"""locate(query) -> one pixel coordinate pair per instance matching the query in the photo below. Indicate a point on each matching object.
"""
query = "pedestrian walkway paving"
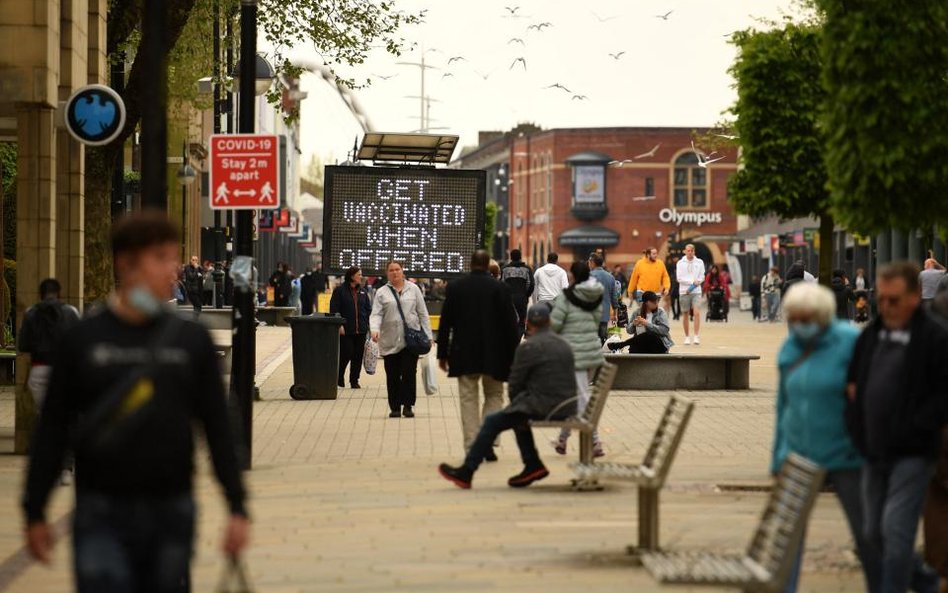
(346, 499)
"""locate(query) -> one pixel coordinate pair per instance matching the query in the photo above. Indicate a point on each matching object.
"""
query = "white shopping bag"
(370, 357)
(428, 377)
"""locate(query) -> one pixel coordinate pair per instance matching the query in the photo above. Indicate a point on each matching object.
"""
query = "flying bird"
(579, 97)
(705, 162)
(521, 60)
(456, 59)
(603, 19)
(386, 77)
(558, 86)
(513, 10)
(482, 75)
(704, 159)
(540, 26)
(617, 56)
(516, 40)
(649, 153)
(620, 163)
(728, 136)
(446, 74)
(643, 198)
(665, 16)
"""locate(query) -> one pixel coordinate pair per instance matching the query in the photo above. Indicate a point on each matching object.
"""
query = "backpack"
(49, 320)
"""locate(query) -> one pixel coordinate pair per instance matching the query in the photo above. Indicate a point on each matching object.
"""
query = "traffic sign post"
(245, 172)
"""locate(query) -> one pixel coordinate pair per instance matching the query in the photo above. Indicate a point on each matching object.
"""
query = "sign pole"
(154, 107)
(244, 347)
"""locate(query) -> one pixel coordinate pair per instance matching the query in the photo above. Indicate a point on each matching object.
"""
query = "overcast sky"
(673, 72)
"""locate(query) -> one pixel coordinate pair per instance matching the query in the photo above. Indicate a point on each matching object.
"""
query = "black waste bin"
(315, 355)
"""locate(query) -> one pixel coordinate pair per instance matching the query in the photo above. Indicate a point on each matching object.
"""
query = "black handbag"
(416, 340)
(622, 315)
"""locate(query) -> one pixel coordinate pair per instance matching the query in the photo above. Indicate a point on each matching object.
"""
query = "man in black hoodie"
(519, 278)
(898, 392)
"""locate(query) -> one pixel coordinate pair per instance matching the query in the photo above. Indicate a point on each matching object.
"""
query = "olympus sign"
(696, 218)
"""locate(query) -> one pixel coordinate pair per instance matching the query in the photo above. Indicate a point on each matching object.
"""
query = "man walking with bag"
(134, 379)
(476, 341)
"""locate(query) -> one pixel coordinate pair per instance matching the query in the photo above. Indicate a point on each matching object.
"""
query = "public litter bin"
(315, 355)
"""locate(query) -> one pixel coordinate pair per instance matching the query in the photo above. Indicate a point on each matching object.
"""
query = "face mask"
(805, 331)
(144, 302)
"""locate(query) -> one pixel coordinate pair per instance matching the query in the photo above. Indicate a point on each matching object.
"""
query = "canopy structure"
(421, 149)
(590, 235)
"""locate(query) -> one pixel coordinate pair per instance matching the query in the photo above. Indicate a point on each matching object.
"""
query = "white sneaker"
(687, 340)
(697, 340)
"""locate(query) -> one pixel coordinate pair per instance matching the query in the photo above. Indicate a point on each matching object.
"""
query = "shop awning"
(592, 235)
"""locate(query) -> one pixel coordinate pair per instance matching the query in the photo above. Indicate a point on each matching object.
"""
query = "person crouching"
(541, 386)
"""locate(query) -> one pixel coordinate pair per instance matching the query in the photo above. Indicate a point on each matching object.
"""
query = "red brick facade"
(541, 194)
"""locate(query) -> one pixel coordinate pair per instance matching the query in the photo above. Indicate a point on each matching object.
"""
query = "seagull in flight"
(512, 10)
(482, 75)
(649, 153)
(579, 97)
(516, 40)
(617, 56)
(603, 19)
(540, 26)
(643, 198)
(558, 86)
(704, 159)
(386, 77)
(446, 74)
(665, 16)
(521, 60)
(728, 136)
(456, 59)
(621, 163)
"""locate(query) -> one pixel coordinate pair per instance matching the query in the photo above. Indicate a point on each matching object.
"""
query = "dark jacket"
(345, 303)
(519, 277)
(542, 382)
(194, 280)
(478, 328)
(280, 281)
(44, 325)
(922, 407)
(844, 294)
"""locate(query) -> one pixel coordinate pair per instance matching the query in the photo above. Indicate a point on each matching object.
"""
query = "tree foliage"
(343, 32)
(490, 225)
(885, 66)
(779, 102)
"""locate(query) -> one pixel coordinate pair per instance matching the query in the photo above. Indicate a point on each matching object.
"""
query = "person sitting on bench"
(650, 331)
(542, 385)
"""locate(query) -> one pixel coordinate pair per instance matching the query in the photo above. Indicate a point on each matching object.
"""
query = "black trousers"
(401, 370)
(351, 350)
(493, 425)
(603, 331)
(306, 304)
(676, 306)
(520, 306)
(646, 343)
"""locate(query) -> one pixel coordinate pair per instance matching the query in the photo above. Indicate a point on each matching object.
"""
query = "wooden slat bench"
(773, 549)
(691, 371)
(588, 422)
(651, 474)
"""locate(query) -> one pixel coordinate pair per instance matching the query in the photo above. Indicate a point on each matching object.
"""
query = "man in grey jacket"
(541, 385)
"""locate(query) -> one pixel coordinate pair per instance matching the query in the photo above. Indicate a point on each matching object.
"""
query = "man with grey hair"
(690, 273)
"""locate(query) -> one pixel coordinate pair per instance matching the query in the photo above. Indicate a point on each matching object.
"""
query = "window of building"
(690, 183)
(649, 186)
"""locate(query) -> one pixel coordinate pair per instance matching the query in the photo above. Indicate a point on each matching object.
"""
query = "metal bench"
(651, 474)
(588, 422)
(773, 549)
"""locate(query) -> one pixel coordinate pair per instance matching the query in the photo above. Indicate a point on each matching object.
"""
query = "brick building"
(576, 190)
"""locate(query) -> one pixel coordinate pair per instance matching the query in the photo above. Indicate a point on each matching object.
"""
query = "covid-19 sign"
(430, 220)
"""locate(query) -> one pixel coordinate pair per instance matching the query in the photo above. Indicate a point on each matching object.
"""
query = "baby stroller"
(717, 305)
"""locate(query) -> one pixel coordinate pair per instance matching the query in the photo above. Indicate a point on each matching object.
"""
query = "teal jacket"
(811, 400)
(575, 317)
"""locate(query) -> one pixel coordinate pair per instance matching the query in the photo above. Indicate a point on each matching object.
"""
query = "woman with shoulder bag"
(400, 324)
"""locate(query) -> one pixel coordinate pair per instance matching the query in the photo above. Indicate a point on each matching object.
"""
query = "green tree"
(490, 225)
(343, 32)
(886, 115)
(779, 103)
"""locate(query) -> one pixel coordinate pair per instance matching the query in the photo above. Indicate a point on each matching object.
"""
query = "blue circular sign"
(95, 115)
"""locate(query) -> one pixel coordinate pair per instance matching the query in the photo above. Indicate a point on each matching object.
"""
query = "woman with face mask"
(811, 400)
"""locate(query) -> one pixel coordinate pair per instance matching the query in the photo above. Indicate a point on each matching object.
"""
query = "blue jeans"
(493, 425)
(848, 486)
(132, 545)
(893, 495)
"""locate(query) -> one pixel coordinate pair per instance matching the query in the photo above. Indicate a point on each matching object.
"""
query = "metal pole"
(118, 174)
(244, 347)
(154, 48)
(184, 205)
(218, 256)
(229, 67)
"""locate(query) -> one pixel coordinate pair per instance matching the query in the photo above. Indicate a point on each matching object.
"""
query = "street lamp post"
(186, 176)
(154, 48)
(244, 345)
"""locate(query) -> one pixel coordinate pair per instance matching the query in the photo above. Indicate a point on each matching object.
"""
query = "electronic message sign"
(431, 220)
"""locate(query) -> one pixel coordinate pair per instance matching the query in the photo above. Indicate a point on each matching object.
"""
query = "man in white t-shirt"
(690, 273)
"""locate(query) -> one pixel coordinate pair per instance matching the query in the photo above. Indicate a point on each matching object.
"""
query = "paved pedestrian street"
(345, 499)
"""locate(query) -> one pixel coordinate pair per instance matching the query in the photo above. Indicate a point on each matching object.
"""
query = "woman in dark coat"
(351, 301)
